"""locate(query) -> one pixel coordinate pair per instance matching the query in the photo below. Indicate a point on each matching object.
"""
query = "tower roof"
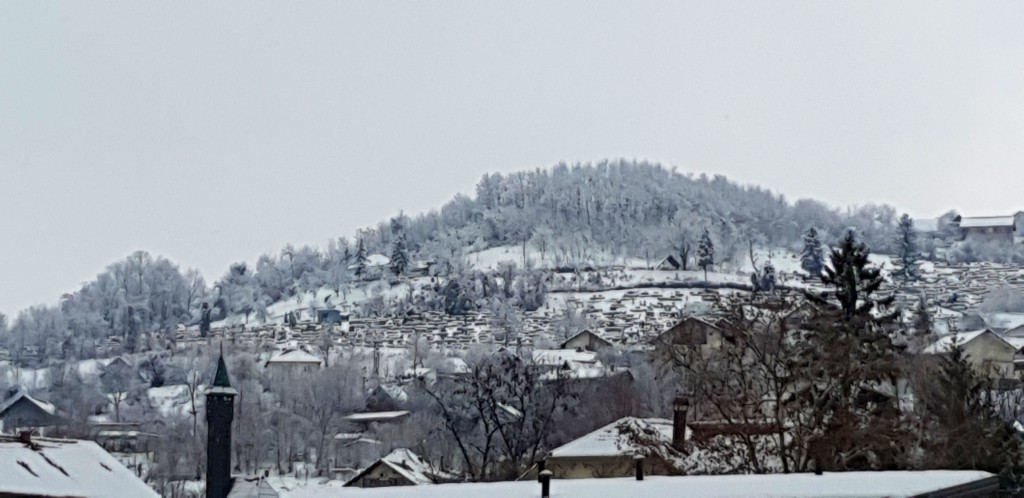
(221, 379)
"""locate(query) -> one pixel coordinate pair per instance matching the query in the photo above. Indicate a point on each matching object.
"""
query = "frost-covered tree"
(906, 246)
(399, 255)
(812, 258)
(705, 253)
(360, 257)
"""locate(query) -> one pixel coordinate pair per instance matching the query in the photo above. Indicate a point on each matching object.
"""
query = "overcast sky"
(211, 132)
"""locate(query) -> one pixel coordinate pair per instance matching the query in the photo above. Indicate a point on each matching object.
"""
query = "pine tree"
(906, 244)
(962, 429)
(360, 258)
(848, 359)
(399, 255)
(768, 278)
(854, 280)
(705, 253)
(812, 257)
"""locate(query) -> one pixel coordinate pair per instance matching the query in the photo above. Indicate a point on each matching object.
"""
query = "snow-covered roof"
(986, 221)
(557, 357)
(583, 372)
(609, 440)
(376, 416)
(945, 344)
(586, 333)
(64, 467)
(373, 261)
(294, 356)
(799, 485)
(21, 394)
(404, 462)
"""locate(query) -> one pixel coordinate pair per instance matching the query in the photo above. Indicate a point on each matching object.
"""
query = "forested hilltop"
(570, 213)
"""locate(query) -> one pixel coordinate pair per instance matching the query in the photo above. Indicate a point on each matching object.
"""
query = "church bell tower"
(220, 412)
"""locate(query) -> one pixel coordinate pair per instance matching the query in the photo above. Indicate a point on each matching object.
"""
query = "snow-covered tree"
(399, 255)
(906, 245)
(812, 258)
(705, 253)
(360, 257)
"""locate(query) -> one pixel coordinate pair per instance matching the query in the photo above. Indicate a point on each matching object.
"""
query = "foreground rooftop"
(840, 484)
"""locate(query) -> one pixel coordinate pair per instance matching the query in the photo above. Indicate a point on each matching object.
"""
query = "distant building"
(351, 451)
(330, 316)
(371, 419)
(989, 354)
(689, 336)
(987, 228)
(293, 363)
(23, 412)
(564, 359)
(586, 340)
(124, 437)
(43, 467)
(670, 263)
(401, 467)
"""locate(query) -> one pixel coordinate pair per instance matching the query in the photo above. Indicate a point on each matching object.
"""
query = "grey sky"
(211, 132)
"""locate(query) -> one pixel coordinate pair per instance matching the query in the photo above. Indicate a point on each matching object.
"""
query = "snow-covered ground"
(843, 484)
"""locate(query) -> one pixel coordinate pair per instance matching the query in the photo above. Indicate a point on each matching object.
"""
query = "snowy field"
(844, 484)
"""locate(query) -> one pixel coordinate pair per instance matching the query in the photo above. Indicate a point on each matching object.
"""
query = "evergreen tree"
(854, 280)
(705, 253)
(399, 255)
(768, 278)
(848, 363)
(812, 257)
(906, 244)
(360, 257)
(961, 428)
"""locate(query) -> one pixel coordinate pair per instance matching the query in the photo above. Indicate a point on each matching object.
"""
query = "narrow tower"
(220, 411)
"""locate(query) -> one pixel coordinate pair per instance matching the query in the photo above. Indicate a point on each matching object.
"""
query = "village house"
(23, 412)
(689, 336)
(293, 363)
(989, 354)
(611, 450)
(401, 467)
(351, 451)
(588, 341)
(987, 228)
(564, 359)
(123, 437)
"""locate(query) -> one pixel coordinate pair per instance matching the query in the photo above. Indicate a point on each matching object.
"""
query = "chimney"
(680, 407)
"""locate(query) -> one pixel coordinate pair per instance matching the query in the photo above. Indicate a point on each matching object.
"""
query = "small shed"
(670, 263)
